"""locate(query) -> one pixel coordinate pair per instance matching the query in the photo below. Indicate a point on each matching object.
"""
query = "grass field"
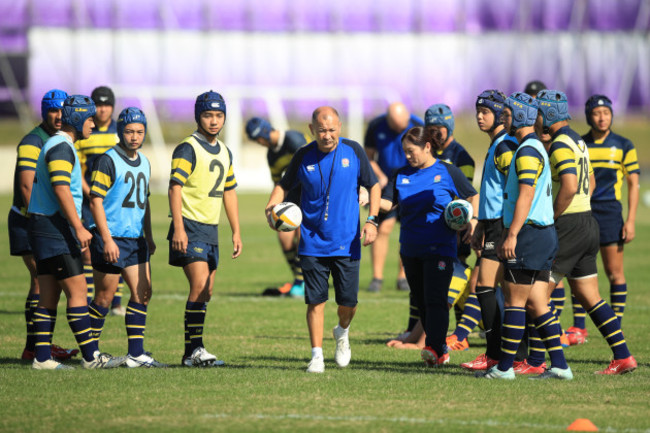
(265, 344)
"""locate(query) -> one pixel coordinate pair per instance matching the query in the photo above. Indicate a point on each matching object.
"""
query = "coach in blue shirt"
(330, 171)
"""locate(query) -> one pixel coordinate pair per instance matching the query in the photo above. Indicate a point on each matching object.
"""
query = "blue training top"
(124, 186)
(57, 164)
(388, 143)
(422, 195)
(493, 180)
(530, 166)
(330, 230)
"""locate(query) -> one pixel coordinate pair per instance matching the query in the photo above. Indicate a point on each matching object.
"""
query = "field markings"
(408, 420)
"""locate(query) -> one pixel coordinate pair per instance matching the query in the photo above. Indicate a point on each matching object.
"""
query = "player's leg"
(345, 275)
(31, 303)
(316, 271)
(468, 301)
(201, 280)
(379, 251)
(105, 288)
(44, 317)
(612, 256)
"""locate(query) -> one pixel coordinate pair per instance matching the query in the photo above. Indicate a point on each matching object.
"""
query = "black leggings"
(429, 278)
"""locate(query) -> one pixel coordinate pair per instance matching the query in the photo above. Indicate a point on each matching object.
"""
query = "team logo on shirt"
(437, 178)
(345, 162)
(405, 180)
(381, 136)
(311, 167)
(442, 265)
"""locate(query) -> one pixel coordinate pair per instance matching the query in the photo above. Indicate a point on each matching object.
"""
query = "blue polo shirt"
(388, 143)
(330, 230)
(422, 195)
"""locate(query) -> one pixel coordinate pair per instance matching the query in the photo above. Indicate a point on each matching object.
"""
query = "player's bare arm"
(66, 203)
(148, 233)
(568, 189)
(231, 204)
(179, 240)
(629, 231)
(111, 250)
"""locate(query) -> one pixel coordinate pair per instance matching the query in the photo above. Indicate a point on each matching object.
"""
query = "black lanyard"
(329, 183)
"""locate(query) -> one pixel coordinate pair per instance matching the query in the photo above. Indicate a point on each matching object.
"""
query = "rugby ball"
(286, 216)
(458, 213)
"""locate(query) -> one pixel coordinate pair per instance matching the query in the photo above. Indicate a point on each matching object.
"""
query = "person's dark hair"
(421, 135)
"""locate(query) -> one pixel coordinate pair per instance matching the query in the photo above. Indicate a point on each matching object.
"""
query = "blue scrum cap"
(130, 115)
(52, 100)
(208, 101)
(440, 114)
(553, 106)
(524, 109)
(258, 127)
(76, 109)
(597, 101)
(495, 101)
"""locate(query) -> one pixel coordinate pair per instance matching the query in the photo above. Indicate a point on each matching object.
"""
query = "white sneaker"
(103, 360)
(144, 360)
(343, 353)
(316, 365)
(50, 364)
(202, 358)
(118, 311)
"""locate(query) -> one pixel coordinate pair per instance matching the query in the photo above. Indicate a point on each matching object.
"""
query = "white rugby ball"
(458, 213)
(286, 216)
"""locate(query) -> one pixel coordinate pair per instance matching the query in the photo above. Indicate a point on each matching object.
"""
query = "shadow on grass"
(7, 312)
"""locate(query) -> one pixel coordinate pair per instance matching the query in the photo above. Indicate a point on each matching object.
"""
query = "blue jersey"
(388, 143)
(530, 166)
(28, 150)
(493, 180)
(57, 164)
(612, 158)
(124, 186)
(456, 154)
(422, 195)
(330, 229)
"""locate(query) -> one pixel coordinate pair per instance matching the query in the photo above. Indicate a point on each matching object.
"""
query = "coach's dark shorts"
(345, 274)
(609, 215)
(18, 234)
(52, 236)
(535, 250)
(492, 229)
(132, 252)
(578, 245)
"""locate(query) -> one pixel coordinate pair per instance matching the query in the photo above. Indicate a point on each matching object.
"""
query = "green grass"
(265, 344)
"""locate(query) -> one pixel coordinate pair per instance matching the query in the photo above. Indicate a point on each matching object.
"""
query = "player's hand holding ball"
(284, 217)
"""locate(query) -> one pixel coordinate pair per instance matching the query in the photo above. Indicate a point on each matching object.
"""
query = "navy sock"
(31, 303)
(558, 297)
(79, 321)
(514, 323)
(549, 330)
(470, 318)
(618, 298)
(97, 318)
(195, 317)
(579, 313)
(536, 348)
(136, 321)
(44, 321)
(607, 323)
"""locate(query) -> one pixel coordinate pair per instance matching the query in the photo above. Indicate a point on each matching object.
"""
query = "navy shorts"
(52, 236)
(196, 252)
(345, 274)
(609, 215)
(578, 246)
(18, 234)
(535, 250)
(132, 252)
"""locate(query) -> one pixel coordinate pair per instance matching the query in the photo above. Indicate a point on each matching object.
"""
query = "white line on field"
(487, 422)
